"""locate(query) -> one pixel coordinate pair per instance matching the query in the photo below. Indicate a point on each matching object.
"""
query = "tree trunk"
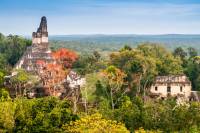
(145, 87)
(86, 97)
(139, 86)
(74, 105)
(20, 90)
(85, 104)
(111, 97)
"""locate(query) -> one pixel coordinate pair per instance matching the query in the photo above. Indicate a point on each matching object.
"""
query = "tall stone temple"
(36, 59)
(38, 51)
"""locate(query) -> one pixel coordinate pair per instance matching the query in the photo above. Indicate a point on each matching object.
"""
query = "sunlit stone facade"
(172, 85)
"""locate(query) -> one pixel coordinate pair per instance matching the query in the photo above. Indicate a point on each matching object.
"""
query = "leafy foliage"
(117, 88)
(90, 63)
(143, 63)
(21, 81)
(4, 95)
(95, 123)
(35, 115)
(65, 57)
(11, 49)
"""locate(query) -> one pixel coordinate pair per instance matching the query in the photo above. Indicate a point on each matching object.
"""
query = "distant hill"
(115, 42)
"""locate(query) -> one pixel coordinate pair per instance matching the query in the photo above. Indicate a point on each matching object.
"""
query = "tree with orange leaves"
(65, 57)
(51, 74)
(54, 74)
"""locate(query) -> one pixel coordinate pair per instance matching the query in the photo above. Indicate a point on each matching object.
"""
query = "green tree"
(12, 48)
(4, 95)
(7, 119)
(192, 52)
(192, 70)
(42, 115)
(114, 78)
(142, 64)
(21, 81)
(166, 63)
(126, 47)
(89, 89)
(179, 52)
(90, 63)
(3, 63)
(1, 78)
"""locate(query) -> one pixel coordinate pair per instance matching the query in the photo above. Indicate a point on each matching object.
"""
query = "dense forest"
(115, 93)
(11, 49)
(107, 43)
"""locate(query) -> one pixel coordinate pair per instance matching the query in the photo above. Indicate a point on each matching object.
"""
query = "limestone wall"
(174, 90)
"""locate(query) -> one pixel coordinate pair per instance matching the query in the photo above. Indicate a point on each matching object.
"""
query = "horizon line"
(110, 34)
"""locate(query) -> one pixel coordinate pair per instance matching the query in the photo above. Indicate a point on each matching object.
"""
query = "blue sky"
(22, 17)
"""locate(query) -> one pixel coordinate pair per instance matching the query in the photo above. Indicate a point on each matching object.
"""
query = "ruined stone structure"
(39, 50)
(52, 79)
(173, 85)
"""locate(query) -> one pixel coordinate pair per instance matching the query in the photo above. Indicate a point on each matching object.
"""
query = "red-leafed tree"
(52, 75)
(40, 62)
(65, 57)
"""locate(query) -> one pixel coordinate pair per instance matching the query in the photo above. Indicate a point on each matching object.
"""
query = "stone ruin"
(67, 87)
(39, 50)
